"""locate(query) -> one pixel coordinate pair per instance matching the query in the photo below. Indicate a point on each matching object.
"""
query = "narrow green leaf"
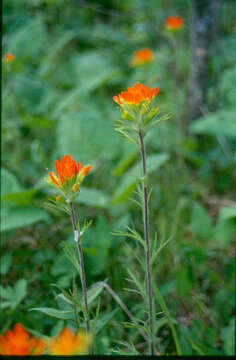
(137, 283)
(59, 314)
(155, 254)
(103, 321)
(94, 291)
(71, 299)
(72, 254)
(166, 312)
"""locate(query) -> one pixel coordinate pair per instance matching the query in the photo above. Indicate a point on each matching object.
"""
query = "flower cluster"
(174, 22)
(66, 343)
(142, 57)
(136, 104)
(136, 95)
(68, 177)
(19, 342)
(9, 57)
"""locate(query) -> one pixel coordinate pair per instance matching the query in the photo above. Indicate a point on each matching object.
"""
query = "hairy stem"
(81, 260)
(124, 307)
(146, 235)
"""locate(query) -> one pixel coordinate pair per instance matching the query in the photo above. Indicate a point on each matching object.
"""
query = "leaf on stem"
(71, 253)
(155, 253)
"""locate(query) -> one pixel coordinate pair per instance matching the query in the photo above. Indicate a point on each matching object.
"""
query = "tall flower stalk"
(138, 115)
(69, 175)
(146, 236)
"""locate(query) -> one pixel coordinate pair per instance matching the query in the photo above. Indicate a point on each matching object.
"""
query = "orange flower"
(174, 22)
(66, 343)
(143, 56)
(135, 95)
(18, 342)
(69, 174)
(9, 57)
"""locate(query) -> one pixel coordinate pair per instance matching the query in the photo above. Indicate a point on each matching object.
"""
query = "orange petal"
(86, 169)
(79, 167)
(52, 176)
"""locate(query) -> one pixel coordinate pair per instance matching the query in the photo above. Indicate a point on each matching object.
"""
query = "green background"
(70, 60)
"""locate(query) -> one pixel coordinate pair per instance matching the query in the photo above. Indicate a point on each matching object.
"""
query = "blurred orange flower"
(135, 95)
(18, 342)
(174, 22)
(66, 343)
(9, 57)
(143, 56)
(69, 174)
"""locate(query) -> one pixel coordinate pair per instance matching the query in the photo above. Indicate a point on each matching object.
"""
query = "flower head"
(174, 22)
(69, 175)
(136, 105)
(66, 343)
(143, 56)
(9, 57)
(136, 95)
(18, 342)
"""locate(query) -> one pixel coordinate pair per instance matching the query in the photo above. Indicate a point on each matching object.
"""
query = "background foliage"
(71, 57)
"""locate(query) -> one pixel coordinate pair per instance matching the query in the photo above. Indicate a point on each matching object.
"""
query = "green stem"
(146, 235)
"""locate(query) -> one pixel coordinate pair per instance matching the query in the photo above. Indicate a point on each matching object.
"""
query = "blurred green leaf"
(34, 95)
(228, 337)
(90, 77)
(92, 197)
(14, 294)
(82, 135)
(22, 216)
(5, 263)
(62, 266)
(20, 290)
(9, 183)
(221, 123)
(24, 197)
(227, 212)
(200, 222)
(225, 231)
(98, 239)
(48, 63)
(29, 40)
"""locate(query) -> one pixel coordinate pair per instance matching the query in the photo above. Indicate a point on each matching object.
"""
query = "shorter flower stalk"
(81, 260)
(69, 175)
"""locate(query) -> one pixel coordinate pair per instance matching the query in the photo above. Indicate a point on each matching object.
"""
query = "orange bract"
(18, 342)
(66, 343)
(174, 22)
(143, 56)
(66, 168)
(9, 57)
(136, 94)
